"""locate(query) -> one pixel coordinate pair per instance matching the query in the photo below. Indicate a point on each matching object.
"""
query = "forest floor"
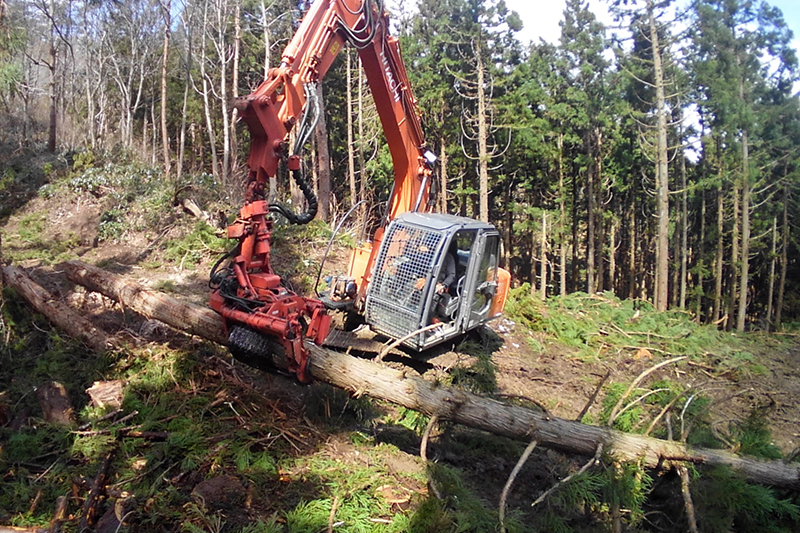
(272, 455)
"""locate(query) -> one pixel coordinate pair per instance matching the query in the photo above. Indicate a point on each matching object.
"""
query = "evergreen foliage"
(569, 165)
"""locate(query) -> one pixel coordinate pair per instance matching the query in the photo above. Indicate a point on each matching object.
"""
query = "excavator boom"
(274, 108)
(247, 293)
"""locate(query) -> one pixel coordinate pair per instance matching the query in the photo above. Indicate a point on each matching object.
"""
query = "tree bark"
(483, 136)
(351, 149)
(363, 213)
(51, 138)
(662, 170)
(365, 377)
(265, 27)
(187, 81)
(573, 274)
(612, 254)
(632, 250)
(324, 160)
(744, 279)
(212, 139)
(718, 256)
(532, 263)
(443, 175)
(193, 319)
(221, 45)
(543, 258)
(684, 250)
(90, 113)
(562, 220)
(784, 256)
(600, 232)
(166, 9)
(701, 243)
(57, 312)
(237, 46)
(734, 267)
(590, 218)
(772, 260)
(153, 145)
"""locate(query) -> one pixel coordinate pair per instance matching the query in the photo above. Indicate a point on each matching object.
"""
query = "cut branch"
(98, 489)
(507, 488)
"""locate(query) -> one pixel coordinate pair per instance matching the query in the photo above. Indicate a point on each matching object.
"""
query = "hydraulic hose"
(308, 193)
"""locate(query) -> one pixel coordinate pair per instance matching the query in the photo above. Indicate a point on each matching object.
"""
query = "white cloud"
(541, 19)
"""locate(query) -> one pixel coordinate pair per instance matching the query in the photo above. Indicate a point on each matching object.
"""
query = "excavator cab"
(402, 296)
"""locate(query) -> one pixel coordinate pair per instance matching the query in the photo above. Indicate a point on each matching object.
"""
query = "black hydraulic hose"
(308, 193)
(213, 278)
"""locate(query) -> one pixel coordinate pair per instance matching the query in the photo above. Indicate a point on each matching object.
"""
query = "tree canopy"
(659, 160)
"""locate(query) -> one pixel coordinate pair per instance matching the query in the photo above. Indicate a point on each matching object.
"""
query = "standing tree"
(166, 8)
(585, 68)
(651, 78)
(57, 17)
(735, 42)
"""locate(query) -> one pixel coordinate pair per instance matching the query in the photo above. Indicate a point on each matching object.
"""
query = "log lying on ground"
(364, 377)
(56, 311)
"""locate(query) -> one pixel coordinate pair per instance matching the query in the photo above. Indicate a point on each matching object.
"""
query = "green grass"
(603, 326)
(201, 241)
(479, 376)
(171, 391)
(727, 503)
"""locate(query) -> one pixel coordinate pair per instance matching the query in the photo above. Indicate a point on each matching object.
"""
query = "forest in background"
(659, 160)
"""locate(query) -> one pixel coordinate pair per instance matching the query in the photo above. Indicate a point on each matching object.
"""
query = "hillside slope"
(246, 451)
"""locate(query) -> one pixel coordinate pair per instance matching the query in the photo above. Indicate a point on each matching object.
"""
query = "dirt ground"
(553, 378)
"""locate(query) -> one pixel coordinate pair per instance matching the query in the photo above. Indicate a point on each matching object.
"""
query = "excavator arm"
(287, 96)
(247, 293)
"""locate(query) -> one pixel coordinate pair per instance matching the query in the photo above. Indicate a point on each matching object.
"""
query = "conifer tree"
(735, 42)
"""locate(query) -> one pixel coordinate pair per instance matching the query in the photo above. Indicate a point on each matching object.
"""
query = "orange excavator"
(392, 280)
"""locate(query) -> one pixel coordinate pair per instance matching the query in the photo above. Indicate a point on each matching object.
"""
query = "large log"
(56, 311)
(365, 377)
(187, 317)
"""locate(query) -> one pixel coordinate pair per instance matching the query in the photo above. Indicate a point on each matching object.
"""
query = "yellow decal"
(335, 47)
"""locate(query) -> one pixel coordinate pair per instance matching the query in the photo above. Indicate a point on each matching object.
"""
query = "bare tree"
(477, 125)
(784, 256)
(206, 94)
(166, 6)
(56, 15)
(187, 24)
(130, 44)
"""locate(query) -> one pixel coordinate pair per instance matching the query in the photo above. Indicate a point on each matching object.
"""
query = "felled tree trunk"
(56, 311)
(364, 377)
(191, 318)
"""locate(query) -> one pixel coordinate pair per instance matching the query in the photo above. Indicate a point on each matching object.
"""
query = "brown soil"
(564, 384)
(554, 379)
